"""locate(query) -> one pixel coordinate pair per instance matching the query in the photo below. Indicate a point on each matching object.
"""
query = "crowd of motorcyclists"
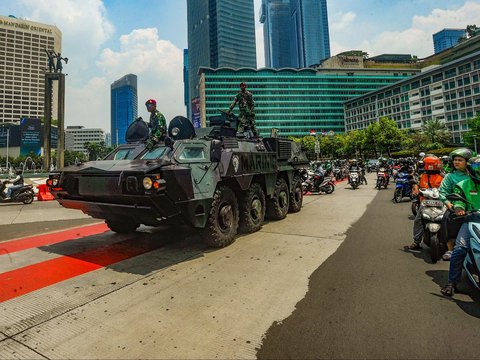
(445, 195)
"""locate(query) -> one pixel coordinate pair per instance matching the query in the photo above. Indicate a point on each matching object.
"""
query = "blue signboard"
(30, 130)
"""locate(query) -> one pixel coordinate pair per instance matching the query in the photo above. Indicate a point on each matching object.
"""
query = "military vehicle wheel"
(277, 207)
(222, 223)
(252, 209)
(122, 226)
(296, 196)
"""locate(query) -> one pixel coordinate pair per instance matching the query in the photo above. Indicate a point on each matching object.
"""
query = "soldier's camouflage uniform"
(158, 126)
(245, 102)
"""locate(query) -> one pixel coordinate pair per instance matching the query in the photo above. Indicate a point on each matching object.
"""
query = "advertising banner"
(30, 130)
(196, 119)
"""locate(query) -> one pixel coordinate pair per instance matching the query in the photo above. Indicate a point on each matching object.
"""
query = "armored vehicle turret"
(208, 178)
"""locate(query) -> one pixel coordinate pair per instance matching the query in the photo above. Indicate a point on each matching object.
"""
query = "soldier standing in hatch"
(245, 102)
(157, 124)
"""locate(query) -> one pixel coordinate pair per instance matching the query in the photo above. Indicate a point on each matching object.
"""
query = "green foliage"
(96, 150)
(473, 133)
(70, 157)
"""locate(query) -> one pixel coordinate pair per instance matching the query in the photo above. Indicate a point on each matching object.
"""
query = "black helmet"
(462, 152)
(18, 171)
(473, 168)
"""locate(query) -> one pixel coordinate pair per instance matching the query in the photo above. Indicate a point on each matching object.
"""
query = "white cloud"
(417, 40)
(341, 22)
(158, 65)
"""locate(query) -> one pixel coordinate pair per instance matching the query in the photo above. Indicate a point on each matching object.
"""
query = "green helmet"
(473, 168)
(462, 152)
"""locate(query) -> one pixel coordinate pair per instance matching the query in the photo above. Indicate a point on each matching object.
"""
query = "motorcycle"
(402, 187)
(24, 194)
(432, 211)
(317, 183)
(471, 264)
(354, 179)
(338, 174)
(382, 178)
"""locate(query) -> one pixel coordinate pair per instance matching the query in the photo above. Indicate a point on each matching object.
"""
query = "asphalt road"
(371, 299)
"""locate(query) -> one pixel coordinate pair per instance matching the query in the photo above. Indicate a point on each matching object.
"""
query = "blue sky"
(105, 40)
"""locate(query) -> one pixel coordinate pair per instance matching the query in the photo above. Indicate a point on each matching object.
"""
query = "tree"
(70, 157)
(474, 131)
(96, 150)
(436, 131)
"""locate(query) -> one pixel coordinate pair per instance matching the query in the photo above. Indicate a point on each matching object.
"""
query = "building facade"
(221, 33)
(449, 92)
(295, 32)
(77, 136)
(275, 15)
(309, 28)
(124, 107)
(294, 101)
(446, 38)
(23, 62)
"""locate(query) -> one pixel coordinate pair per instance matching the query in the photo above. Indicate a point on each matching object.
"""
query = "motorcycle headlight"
(147, 183)
(175, 131)
(54, 182)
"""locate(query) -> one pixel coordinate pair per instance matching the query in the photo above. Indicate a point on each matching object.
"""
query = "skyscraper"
(275, 15)
(221, 33)
(124, 106)
(296, 32)
(446, 38)
(23, 62)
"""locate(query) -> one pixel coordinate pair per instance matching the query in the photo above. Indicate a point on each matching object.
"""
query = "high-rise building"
(295, 32)
(23, 61)
(124, 107)
(221, 33)
(275, 15)
(310, 36)
(446, 38)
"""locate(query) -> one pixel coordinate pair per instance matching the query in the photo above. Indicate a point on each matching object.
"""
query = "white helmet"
(422, 154)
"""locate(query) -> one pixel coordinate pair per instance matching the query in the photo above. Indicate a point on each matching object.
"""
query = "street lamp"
(475, 143)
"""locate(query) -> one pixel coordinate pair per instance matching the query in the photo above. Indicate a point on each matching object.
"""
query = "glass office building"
(124, 107)
(446, 38)
(293, 100)
(275, 15)
(221, 33)
(310, 35)
(295, 32)
(449, 93)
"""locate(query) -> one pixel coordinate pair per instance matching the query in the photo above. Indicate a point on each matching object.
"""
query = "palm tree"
(436, 130)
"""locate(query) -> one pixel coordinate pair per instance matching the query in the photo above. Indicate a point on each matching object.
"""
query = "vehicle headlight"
(147, 183)
(175, 131)
(54, 182)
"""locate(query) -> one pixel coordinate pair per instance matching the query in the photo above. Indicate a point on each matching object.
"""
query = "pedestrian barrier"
(43, 193)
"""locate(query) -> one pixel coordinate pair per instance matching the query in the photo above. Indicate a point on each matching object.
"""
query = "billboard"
(30, 136)
(196, 119)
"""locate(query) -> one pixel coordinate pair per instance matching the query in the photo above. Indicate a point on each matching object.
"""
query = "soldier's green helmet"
(462, 152)
(473, 169)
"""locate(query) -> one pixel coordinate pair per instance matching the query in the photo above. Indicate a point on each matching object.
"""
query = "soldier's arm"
(232, 105)
(162, 123)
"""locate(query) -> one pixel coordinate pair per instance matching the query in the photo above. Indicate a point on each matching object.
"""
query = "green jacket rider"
(157, 124)
(245, 102)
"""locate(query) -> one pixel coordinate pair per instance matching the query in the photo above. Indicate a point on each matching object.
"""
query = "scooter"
(471, 264)
(317, 183)
(402, 187)
(354, 179)
(382, 178)
(24, 194)
(432, 213)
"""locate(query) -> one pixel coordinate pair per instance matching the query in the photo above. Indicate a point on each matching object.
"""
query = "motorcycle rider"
(17, 183)
(353, 167)
(470, 190)
(382, 163)
(430, 178)
(459, 173)
(361, 165)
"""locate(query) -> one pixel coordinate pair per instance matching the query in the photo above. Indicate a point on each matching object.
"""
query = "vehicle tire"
(277, 207)
(435, 249)
(122, 226)
(296, 196)
(27, 198)
(385, 184)
(252, 209)
(354, 185)
(329, 188)
(222, 222)
(398, 195)
(414, 208)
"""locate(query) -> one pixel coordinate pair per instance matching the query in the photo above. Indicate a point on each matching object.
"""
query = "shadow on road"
(472, 308)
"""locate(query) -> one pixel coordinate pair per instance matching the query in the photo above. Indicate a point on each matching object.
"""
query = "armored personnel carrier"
(208, 178)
